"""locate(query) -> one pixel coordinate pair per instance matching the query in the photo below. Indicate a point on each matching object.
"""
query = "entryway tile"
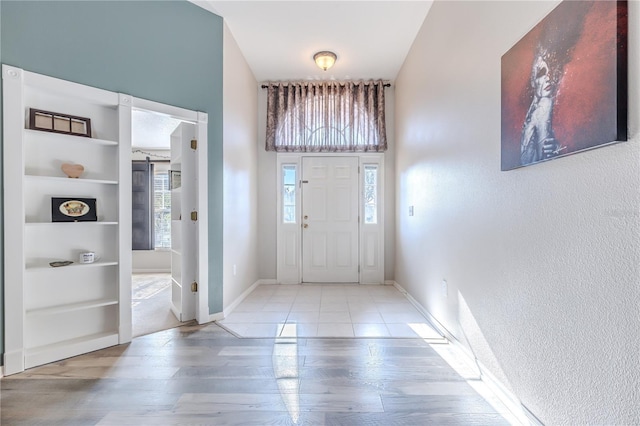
(370, 330)
(366, 317)
(329, 310)
(335, 330)
(335, 317)
(340, 306)
(310, 306)
(303, 317)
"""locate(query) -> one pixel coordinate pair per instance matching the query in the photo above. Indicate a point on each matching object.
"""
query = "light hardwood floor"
(206, 375)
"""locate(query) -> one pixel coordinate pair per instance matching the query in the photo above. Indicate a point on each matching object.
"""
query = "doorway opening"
(157, 225)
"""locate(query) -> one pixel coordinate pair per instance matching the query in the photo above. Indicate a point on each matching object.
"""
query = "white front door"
(330, 219)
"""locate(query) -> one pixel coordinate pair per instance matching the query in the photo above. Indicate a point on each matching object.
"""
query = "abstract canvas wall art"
(564, 84)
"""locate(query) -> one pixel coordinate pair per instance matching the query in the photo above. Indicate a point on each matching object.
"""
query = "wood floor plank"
(413, 419)
(437, 404)
(252, 418)
(351, 402)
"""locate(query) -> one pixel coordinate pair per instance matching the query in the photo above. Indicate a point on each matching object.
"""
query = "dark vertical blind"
(142, 205)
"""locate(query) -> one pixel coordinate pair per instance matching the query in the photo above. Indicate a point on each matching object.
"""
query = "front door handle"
(306, 225)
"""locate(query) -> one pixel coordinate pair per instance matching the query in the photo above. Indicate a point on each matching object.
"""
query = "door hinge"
(194, 144)
(194, 287)
(194, 216)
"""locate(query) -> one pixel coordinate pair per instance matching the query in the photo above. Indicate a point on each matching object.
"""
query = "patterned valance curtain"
(326, 116)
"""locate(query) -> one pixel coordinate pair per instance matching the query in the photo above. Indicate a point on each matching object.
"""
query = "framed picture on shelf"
(175, 181)
(55, 122)
(64, 209)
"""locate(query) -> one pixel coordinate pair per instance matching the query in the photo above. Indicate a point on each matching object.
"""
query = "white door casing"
(192, 305)
(330, 219)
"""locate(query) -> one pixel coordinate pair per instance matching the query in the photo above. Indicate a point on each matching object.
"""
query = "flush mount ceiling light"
(325, 59)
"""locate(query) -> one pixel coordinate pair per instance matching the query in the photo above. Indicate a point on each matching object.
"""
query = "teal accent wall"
(165, 51)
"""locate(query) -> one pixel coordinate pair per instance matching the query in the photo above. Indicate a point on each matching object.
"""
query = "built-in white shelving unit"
(54, 313)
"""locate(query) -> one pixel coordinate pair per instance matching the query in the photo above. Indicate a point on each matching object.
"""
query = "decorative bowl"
(72, 170)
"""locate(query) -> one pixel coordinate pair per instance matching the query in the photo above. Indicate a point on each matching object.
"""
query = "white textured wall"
(239, 174)
(542, 262)
(267, 192)
(267, 219)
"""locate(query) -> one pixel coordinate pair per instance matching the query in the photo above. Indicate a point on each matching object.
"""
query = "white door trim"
(289, 235)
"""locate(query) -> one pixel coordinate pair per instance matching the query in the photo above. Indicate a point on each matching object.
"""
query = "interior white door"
(184, 226)
(330, 219)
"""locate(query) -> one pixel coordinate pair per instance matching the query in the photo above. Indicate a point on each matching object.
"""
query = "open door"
(183, 180)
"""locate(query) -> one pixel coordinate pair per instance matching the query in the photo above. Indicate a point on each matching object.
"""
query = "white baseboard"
(505, 396)
(151, 271)
(226, 311)
(216, 317)
(13, 362)
(531, 417)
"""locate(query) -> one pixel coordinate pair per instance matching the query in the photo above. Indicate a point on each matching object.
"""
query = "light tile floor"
(328, 310)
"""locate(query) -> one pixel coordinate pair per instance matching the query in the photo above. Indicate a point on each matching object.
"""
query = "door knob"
(306, 225)
(306, 217)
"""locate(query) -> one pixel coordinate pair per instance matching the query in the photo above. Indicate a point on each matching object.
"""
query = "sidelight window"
(289, 193)
(370, 198)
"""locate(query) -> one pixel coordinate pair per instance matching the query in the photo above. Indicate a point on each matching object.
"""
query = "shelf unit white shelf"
(61, 224)
(67, 181)
(46, 265)
(58, 312)
(48, 137)
(72, 307)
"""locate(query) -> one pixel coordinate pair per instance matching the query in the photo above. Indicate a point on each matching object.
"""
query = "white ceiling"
(150, 130)
(279, 38)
